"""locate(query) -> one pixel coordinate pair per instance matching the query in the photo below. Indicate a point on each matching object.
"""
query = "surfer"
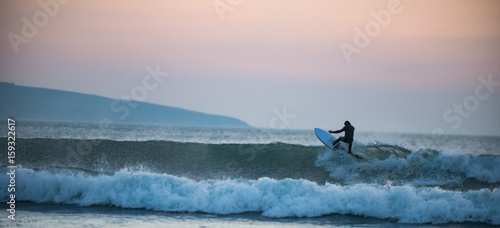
(348, 130)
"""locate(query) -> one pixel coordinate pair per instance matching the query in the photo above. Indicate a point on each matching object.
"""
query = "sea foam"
(273, 198)
(424, 167)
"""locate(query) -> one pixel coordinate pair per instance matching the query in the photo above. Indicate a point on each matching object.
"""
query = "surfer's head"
(347, 123)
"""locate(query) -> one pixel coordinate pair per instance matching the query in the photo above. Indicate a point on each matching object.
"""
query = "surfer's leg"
(350, 146)
(337, 141)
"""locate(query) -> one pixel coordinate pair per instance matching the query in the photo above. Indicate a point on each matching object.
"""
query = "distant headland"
(39, 104)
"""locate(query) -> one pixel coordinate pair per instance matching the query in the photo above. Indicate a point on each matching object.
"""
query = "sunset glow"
(291, 51)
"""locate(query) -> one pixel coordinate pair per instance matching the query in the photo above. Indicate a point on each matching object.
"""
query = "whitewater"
(261, 176)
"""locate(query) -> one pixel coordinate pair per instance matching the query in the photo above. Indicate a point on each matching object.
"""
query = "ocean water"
(88, 175)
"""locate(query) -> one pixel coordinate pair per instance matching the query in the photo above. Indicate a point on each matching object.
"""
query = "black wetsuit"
(348, 136)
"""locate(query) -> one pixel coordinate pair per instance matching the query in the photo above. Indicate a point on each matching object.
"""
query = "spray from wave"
(199, 161)
(425, 167)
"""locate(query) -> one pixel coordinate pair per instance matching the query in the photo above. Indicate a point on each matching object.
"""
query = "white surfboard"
(325, 137)
(328, 139)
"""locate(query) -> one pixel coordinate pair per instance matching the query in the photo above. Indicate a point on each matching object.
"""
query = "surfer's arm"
(337, 131)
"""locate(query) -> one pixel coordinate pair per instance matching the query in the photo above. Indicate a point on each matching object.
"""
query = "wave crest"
(273, 198)
(425, 167)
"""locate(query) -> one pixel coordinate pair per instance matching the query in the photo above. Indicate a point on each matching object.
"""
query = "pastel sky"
(411, 66)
